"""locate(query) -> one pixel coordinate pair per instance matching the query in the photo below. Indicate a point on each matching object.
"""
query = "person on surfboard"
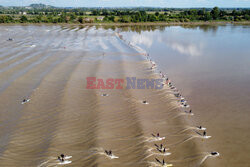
(61, 157)
(109, 153)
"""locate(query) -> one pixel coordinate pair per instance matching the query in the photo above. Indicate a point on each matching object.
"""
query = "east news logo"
(128, 83)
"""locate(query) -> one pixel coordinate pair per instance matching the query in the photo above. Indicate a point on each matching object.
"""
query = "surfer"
(25, 101)
(61, 157)
(204, 133)
(104, 94)
(177, 95)
(10, 39)
(157, 135)
(160, 147)
(214, 153)
(109, 153)
(161, 150)
(190, 111)
(162, 163)
(144, 102)
(185, 105)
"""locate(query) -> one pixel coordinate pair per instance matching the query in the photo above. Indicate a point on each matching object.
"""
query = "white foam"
(188, 113)
(68, 157)
(202, 128)
(166, 154)
(113, 156)
(184, 106)
(153, 139)
(64, 162)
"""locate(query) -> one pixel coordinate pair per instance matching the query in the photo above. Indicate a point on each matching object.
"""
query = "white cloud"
(142, 39)
(187, 49)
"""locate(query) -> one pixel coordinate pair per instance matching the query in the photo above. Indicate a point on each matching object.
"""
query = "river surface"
(210, 65)
(49, 65)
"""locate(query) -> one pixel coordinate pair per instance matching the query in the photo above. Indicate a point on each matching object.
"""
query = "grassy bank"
(195, 23)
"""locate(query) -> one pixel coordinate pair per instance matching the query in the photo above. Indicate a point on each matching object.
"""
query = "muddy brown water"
(210, 65)
(50, 64)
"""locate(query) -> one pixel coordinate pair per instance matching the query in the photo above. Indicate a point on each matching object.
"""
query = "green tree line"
(122, 15)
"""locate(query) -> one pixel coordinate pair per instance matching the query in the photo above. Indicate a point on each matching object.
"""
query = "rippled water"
(49, 65)
(211, 67)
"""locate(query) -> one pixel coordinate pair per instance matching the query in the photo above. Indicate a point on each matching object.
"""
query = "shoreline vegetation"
(40, 13)
(209, 23)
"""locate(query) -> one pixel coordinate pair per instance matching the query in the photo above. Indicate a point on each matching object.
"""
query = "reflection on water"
(49, 65)
(211, 67)
(63, 123)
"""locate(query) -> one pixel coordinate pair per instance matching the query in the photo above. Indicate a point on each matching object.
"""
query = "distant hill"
(40, 6)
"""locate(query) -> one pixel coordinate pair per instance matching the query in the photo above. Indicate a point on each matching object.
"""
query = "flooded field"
(46, 108)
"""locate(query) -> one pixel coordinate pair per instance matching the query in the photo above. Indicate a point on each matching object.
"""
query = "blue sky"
(131, 3)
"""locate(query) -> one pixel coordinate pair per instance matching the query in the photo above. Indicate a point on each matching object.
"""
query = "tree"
(72, 16)
(207, 16)
(23, 19)
(80, 19)
(125, 19)
(95, 12)
(162, 17)
(215, 13)
(105, 13)
(152, 18)
(202, 12)
(112, 18)
(37, 19)
(2, 19)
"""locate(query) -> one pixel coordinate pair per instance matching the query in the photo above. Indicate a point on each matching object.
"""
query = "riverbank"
(141, 23)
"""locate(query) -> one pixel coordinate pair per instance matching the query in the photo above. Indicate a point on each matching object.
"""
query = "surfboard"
(113, 157)
(202, 128)
(64, 162)
(207, 137)
(68, 157)
(159, 138)
(166, 154)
